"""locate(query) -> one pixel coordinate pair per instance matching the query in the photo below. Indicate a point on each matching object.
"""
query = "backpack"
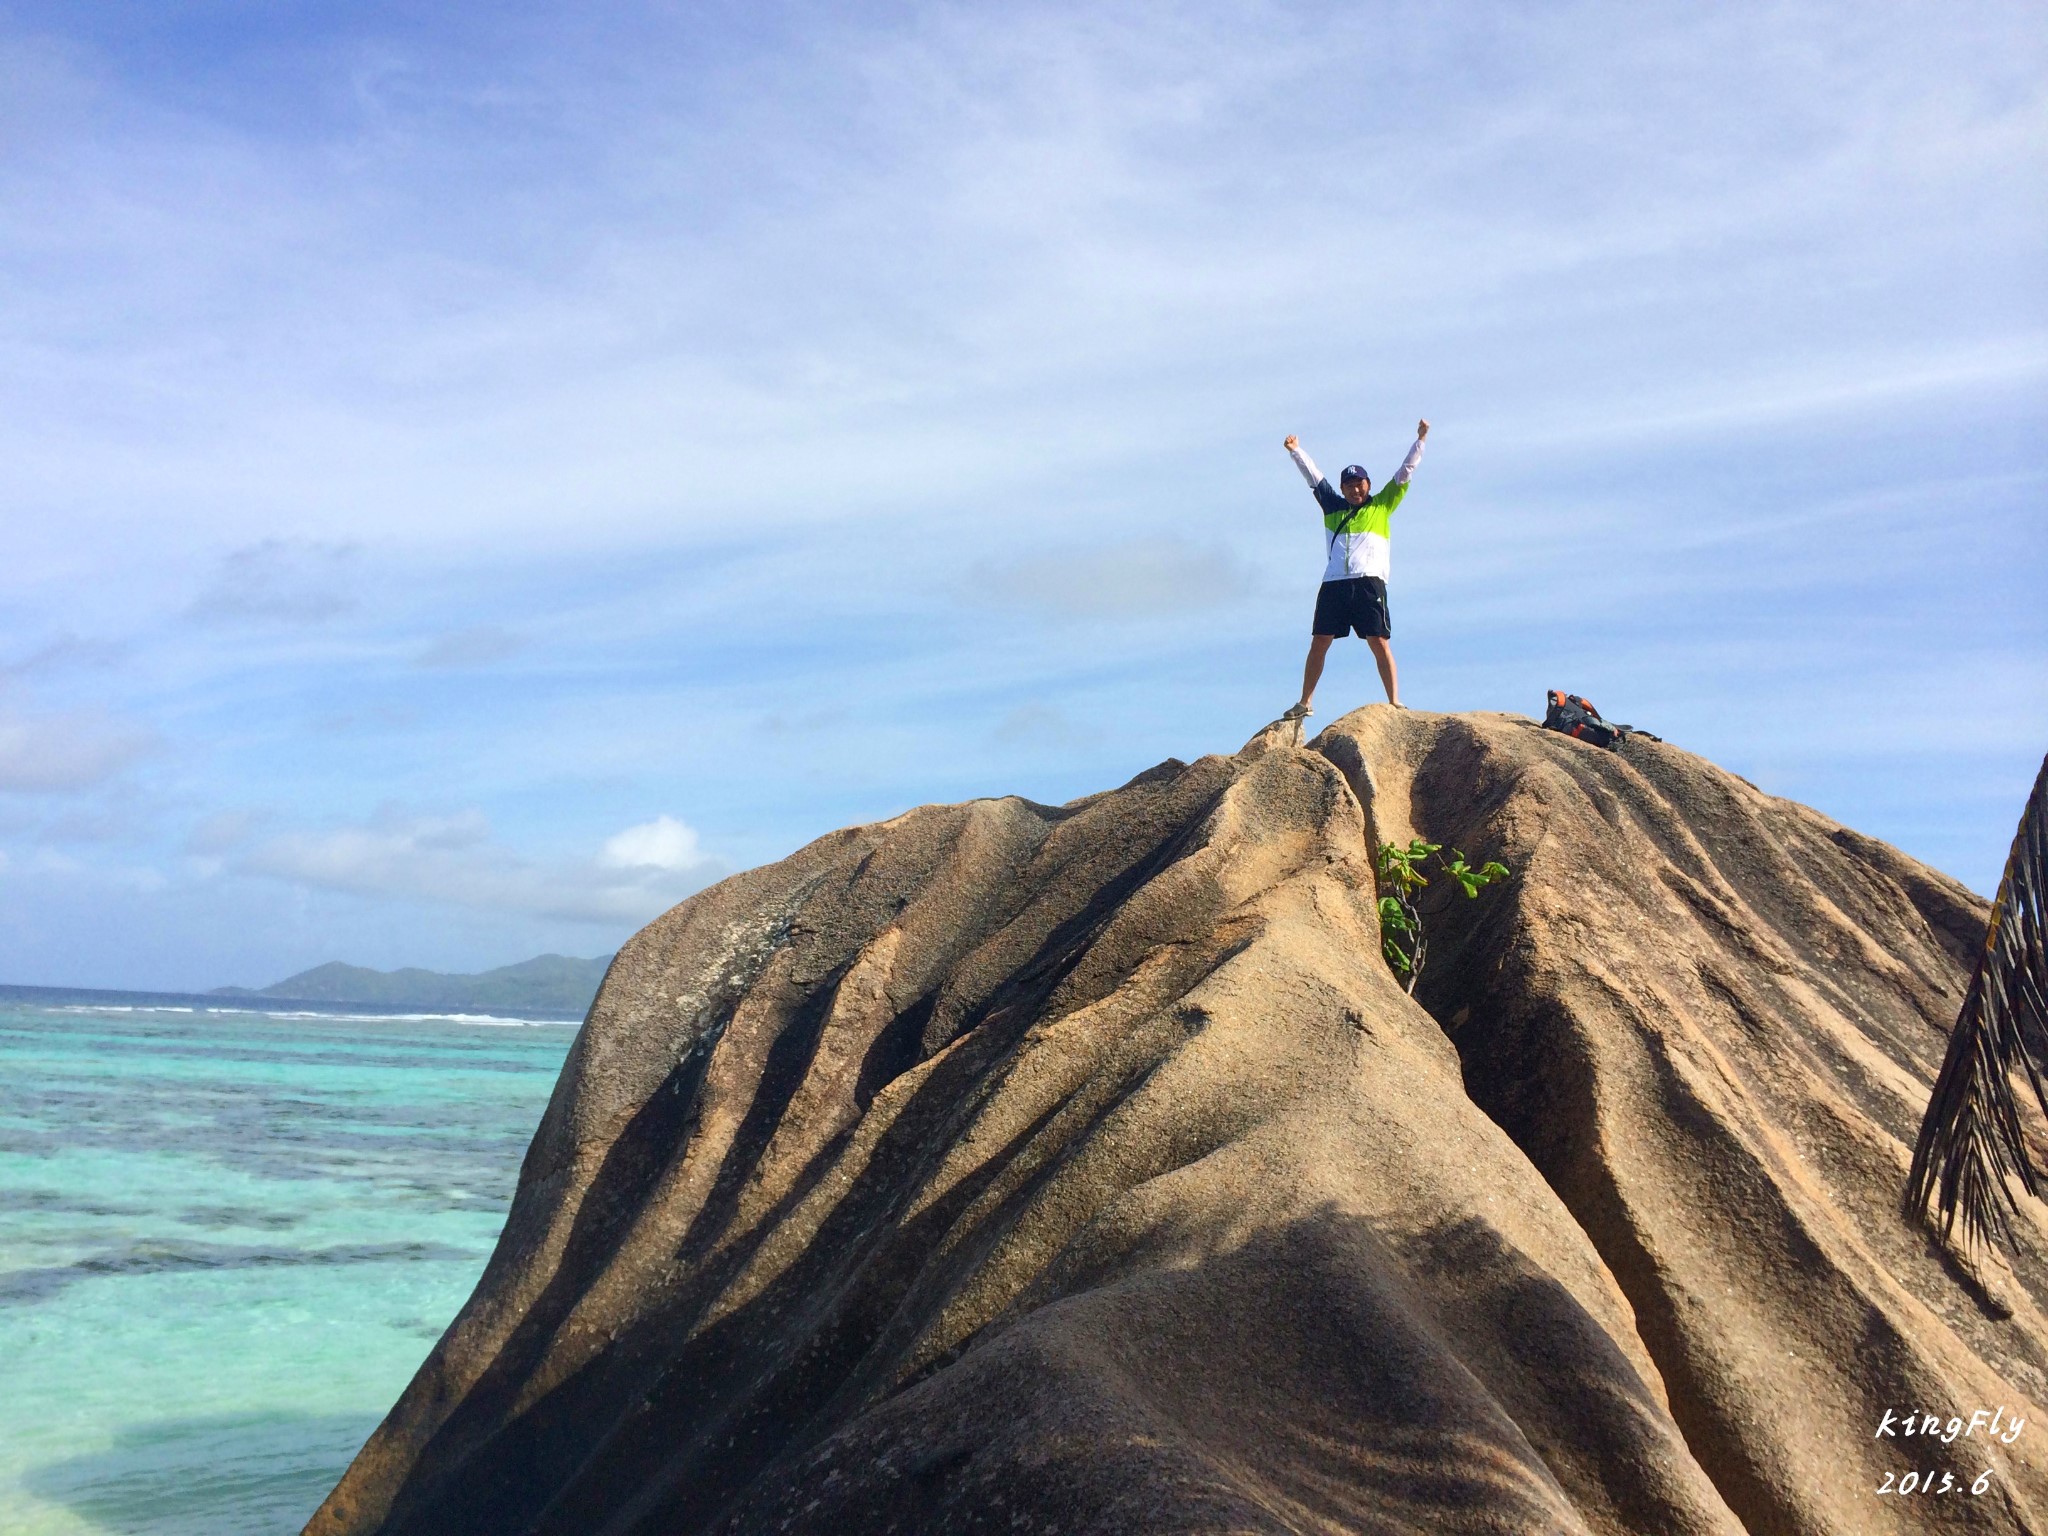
(1577, 717)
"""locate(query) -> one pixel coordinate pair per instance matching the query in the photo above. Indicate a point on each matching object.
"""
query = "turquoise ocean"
(227, 1240)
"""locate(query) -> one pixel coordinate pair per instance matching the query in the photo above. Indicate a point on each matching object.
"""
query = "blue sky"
(477, 474)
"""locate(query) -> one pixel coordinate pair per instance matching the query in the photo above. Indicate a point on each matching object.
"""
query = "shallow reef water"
(228, 1238)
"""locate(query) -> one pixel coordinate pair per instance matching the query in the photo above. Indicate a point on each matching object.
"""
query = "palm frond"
(1971, 1142)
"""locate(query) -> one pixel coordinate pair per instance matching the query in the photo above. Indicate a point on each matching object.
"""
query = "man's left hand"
(1421, 430)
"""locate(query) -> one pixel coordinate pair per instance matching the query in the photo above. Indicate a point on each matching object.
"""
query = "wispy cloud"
(827, 389)
(454, 859)
(1789, 392)
(1038, 727)
(66, 751)
(222, 832)
(477, 647)
(65, 653)
(1143, 578)
(1034, 239)
(287, 581)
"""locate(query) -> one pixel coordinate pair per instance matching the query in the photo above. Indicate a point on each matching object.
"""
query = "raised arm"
(1302, 461)
(1414, 458)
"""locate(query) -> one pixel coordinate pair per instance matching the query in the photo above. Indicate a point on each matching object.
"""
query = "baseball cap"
(1354, 472)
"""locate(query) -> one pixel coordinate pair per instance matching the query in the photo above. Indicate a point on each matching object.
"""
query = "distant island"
(545, 984)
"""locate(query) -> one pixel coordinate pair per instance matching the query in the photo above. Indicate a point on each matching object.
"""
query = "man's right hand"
(1290, 442)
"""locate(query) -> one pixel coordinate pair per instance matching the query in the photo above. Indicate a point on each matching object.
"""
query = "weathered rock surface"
(1007, 1167)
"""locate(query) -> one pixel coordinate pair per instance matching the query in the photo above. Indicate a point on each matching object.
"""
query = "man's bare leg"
(1312, 669)
(1383, 653)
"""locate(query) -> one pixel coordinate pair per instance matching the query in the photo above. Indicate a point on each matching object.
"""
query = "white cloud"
(53, 753)
(663, 843)
(637, 874)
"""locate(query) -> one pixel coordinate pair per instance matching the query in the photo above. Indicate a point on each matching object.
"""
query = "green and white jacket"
(1358, 537)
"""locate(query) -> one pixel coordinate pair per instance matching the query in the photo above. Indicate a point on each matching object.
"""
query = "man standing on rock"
(1354, 590)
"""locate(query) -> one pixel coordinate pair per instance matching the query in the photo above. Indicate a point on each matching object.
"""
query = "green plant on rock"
(1401, 878)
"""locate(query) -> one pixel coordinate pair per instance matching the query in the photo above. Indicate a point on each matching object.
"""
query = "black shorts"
(1359, 602)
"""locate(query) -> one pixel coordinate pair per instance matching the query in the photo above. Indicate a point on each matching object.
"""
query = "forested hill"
(555, 984)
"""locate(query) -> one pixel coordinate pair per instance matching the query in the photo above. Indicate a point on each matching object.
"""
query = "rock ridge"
(1014, 1167)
